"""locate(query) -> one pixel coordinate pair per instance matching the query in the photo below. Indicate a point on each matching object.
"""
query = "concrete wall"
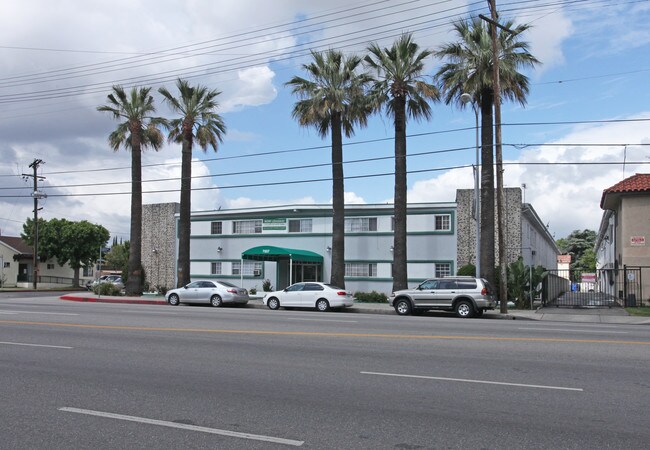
(159, 244)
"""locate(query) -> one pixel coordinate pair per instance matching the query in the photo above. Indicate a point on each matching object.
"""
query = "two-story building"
(292, 243)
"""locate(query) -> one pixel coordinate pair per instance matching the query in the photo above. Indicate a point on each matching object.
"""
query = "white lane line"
(36, 345)
(462, 380)
(164, 423)
(573, 331)
(37, 312)
(322, 320)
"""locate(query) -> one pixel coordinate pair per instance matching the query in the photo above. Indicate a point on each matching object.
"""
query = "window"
(443, 270)
(313, 287)
(88, 271)
(215, 268)
(246, 226)
(360, 224)
(300, 226)
(7, 265)
(50, 266)
(443, 222)
(250, 267)
(216, 228)
(360, 270)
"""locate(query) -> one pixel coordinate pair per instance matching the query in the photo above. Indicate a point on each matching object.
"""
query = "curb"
(74, 298)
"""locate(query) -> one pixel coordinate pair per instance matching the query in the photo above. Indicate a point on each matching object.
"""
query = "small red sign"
(637, 241)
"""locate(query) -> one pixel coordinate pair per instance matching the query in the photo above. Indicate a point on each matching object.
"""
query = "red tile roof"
(639, 182)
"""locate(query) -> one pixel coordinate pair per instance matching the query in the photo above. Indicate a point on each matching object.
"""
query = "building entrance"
(306, 272)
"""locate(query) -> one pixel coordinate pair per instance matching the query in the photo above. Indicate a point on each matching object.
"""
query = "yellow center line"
(313, 333)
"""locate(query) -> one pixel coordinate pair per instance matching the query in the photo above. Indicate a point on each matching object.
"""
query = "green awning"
(270, 253)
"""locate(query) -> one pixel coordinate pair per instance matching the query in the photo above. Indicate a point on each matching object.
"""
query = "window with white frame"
(216, 228)
(250, 268)
(360, 269)
(300, 225)
(443, 270)
(360, 224)
(215, 268)
(443, 222)
(247, 226)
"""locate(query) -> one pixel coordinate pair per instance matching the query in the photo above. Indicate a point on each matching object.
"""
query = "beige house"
(623, 240)
(17, 267)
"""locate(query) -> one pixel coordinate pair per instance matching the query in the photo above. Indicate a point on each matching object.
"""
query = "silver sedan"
(217, 293)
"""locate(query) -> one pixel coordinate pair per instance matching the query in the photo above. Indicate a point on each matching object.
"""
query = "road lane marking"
(36, 345)
(321, 320)
(325, 334)
(572, 331)
(463, 380)
(37, 312)
(164, 423)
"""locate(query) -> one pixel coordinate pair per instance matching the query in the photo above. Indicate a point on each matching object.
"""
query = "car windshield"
(225, 283)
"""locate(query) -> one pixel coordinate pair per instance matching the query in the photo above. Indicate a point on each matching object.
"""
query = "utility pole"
(503, 265)
(37, 195)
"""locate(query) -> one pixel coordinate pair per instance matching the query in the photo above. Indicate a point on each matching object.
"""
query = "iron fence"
(610, 288)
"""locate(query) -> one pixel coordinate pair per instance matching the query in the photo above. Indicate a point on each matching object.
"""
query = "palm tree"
(332, 100)
(400, 89)
(138, 131)
(198, 122)
(469, 70)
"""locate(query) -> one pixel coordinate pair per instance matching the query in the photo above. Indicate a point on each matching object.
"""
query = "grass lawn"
(643, 311)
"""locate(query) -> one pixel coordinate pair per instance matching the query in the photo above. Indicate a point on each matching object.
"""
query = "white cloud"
(546, 37)
(254, 87)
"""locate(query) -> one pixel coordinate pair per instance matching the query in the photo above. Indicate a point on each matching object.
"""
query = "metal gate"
(611, 288)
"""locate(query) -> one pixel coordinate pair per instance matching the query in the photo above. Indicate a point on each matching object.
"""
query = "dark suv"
(466, 296)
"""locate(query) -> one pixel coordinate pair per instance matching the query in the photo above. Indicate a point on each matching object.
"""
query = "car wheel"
(464, 309)
(216, 301)
(174, 300)
(273, 303)
(403, 307)
(322, 305)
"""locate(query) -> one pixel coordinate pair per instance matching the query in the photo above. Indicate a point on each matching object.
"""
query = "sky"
(585, 125)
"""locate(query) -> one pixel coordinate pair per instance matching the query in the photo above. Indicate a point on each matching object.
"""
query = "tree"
(400, 90)
(469, 70)
(198, 122)
(580, 245)
(75, 243)
(137, 131)
(332, 100)
(118, 258)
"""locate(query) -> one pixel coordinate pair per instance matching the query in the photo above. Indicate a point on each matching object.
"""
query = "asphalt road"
(79, 375)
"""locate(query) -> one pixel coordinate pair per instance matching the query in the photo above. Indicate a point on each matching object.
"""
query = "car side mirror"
(185, 287)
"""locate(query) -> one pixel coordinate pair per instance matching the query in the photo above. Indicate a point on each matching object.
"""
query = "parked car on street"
(321, 296)
(466, 296)
(115, 279)
(216, 293)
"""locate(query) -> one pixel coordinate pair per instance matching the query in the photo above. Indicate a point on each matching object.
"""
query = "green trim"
(230, 277)
(275, 235)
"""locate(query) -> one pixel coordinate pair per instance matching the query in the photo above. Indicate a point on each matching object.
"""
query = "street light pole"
(467, 98)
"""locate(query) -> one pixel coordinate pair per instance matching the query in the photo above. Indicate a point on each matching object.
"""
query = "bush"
(266, 286)
(467, 270)
(253, 291)
(162, 290)
(371, 297)
(107, 289)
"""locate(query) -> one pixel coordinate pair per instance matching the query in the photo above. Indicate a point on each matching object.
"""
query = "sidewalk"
(582, 315)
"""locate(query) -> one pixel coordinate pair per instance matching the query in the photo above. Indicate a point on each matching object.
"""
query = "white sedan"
(216, 293)
(309, 295)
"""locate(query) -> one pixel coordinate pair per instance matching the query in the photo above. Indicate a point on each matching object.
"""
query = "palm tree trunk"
(338, 206)
(133, 284)
(400, 275)
(487, 188)
(183, 274)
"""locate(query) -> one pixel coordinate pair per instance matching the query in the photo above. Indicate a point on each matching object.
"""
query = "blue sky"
(596, 66)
